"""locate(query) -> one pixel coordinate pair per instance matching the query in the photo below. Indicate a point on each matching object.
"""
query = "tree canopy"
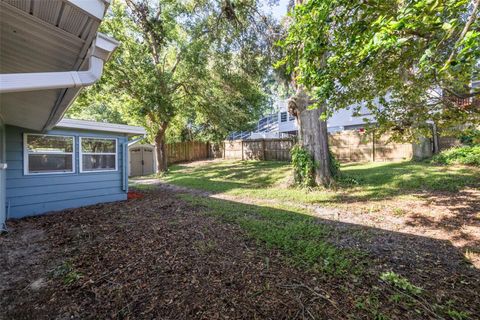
(407, 61)
(195, 68)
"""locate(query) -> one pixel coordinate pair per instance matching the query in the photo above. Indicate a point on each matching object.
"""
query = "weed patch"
(67, 272)
(400, 282)
(296, 234)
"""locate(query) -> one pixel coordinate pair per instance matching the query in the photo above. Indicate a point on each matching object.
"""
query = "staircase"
(266, 124)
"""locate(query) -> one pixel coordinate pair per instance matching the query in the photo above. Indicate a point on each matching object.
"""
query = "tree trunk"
(313, 135)
(161, 148)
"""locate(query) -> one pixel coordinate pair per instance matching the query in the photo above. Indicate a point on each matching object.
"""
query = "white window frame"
(81, 153)
(26, 153)
(286, 117)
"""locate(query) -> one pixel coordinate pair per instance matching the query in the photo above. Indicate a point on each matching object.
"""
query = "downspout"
(19, 82)
(3, 178)
(3, 202)
(125, 167)
(100, 52)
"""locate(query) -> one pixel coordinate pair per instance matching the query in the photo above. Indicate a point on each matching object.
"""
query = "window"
(290, 117)
(98, 154)
(48, 154)
(283, 117)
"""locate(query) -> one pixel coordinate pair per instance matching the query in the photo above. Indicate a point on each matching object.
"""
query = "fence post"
(373, 146)
(242, 150)
(263, 149)
(224, 150)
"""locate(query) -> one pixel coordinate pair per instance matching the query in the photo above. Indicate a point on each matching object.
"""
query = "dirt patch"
(454, 217)
(151, 257)
(200, 163)
(158, 257)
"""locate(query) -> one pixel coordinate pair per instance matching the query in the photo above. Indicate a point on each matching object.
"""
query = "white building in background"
(281, 124)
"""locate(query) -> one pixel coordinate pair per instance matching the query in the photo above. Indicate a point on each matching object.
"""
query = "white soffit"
(73, 16)
(17, 108)
(44, 36)
(34, 41)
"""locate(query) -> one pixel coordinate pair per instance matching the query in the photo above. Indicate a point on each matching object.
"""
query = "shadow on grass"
(437, 185)
(143, 252)
(225, 176)
(377, 181)
(343, 248)
(403, 177)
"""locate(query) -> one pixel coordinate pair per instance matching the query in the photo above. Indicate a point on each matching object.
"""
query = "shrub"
(303, 166)
(470, 137)
(459, 155)
(334, 165)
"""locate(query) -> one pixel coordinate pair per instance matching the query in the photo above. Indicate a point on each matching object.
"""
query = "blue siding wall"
(29, 195)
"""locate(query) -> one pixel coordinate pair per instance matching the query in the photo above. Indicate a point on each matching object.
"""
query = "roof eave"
(95, 8)
(101, 126)
(103, 49)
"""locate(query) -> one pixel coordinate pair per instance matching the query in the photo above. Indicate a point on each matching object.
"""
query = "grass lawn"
(247, 249)
(171, 255)
(374, 181)
(418, 198)
(401, 258)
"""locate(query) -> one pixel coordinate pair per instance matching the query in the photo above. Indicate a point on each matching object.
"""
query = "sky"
(279, 10)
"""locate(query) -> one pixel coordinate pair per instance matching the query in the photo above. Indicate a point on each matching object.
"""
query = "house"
(281, 124)
(49, 51)
(76, 163)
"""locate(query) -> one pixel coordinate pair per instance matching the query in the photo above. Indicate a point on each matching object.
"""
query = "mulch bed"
(157, 257)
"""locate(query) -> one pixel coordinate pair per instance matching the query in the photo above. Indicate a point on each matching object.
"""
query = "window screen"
(98, 154)
(48, 154)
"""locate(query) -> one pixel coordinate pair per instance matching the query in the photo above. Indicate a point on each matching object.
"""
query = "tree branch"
(466, 28)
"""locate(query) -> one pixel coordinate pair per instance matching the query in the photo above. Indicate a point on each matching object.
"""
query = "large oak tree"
(409, 62)
(197, 63)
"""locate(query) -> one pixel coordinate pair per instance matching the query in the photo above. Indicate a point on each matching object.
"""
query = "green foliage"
(183, 66)
(458, 315)
(303, 166)
(371, 304)
(470, 137)
(408, 56)
(469, 155)
(334, 165)
(400, 282)
(95, 106)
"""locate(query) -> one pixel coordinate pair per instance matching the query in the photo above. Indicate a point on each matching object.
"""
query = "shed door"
(147, 161)
(136, 162)
(141, 161)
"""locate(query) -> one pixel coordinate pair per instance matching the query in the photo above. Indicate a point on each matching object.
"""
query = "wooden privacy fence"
(187, 151)
(347, 146)
(354, 146)
(261, 149)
